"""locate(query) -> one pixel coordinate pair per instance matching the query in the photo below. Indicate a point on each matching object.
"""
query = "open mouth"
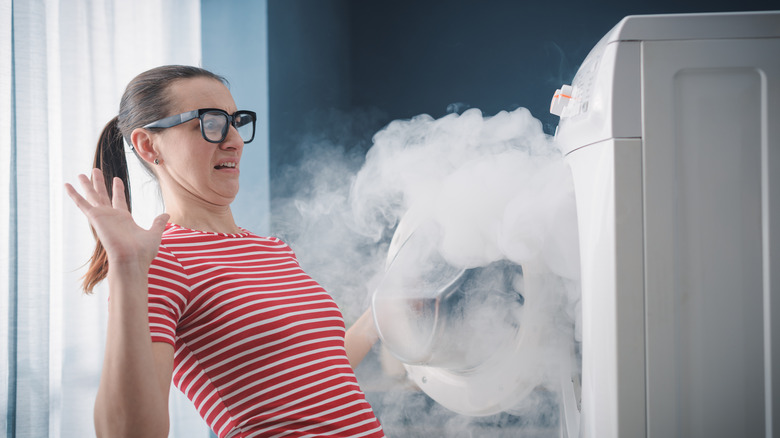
(228, 165)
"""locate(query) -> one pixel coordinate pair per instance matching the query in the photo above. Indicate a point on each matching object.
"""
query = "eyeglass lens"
(215, 126)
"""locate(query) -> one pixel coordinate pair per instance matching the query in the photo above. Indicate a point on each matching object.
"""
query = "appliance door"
(480, 340)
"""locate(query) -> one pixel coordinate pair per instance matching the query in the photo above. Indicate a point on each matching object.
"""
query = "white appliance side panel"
(608, 188)
(710, 336)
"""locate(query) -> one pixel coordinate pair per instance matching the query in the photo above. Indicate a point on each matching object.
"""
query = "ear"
(144, 145)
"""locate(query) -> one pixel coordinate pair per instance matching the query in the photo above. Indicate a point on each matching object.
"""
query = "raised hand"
(123, 239)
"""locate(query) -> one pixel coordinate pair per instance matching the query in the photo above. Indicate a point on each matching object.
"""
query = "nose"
(232, 140)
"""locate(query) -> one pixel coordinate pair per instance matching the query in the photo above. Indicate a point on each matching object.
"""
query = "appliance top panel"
(696, 26)
(604, 99)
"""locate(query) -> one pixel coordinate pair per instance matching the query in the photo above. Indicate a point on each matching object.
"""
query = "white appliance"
(671, 128)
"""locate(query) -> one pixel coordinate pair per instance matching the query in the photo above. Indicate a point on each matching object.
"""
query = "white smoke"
(496, 188)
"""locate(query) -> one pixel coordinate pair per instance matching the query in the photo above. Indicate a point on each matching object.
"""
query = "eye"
(213, 122)
(243, 119)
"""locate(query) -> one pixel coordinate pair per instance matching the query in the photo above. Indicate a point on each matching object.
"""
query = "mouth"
(233, 165)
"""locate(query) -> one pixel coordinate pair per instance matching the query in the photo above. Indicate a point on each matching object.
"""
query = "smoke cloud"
(465, 196)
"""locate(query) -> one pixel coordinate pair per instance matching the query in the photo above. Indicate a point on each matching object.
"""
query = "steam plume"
(496, 187)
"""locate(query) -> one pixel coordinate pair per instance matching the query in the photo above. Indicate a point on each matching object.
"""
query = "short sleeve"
(168, 295)
(285, 248)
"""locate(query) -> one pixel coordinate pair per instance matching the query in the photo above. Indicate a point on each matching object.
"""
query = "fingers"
(99, 184)
(88, 187)
(158, 226)
(118, 189)
(96, 193)
(79, 200)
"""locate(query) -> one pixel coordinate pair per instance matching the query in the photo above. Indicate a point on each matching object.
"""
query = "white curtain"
(63, 67)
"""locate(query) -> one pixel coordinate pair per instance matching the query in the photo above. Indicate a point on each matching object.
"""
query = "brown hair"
(145, 100)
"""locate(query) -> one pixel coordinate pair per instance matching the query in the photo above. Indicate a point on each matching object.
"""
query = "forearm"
(360, 338)
(130, 399)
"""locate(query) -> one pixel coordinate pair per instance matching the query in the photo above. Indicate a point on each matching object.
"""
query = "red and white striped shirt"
(259, 345)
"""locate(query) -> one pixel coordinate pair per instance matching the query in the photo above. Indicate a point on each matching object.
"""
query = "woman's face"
(191, 168)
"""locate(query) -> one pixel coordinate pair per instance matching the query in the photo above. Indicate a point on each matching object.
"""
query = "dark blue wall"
(360, 64)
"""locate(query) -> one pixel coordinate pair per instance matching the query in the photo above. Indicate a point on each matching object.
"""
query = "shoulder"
(278, 245)
(270, 242)
(167, 271)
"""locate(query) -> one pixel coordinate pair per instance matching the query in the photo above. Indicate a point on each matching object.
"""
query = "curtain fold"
(7, 331)
(63, 68)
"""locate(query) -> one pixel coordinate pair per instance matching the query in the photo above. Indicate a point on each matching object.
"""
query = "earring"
(156, 161)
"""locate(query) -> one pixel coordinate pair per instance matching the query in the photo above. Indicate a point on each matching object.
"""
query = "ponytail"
(110, 159)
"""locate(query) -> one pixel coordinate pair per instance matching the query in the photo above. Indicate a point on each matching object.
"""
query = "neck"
(203, 217)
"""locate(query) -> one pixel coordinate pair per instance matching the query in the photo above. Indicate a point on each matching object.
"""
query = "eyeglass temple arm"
(173, 120)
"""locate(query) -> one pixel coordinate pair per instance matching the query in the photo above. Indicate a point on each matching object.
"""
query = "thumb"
(158, 226)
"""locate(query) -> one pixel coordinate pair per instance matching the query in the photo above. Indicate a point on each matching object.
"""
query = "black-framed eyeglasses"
(214, 123)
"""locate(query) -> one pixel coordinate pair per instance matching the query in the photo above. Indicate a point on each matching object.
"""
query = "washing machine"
(671, 128)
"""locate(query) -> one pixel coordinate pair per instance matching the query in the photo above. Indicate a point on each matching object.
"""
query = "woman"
(228, 316)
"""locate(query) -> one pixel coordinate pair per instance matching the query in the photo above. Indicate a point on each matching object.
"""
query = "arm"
(132, 398)
(360, 338)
